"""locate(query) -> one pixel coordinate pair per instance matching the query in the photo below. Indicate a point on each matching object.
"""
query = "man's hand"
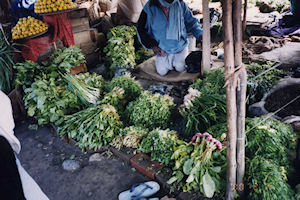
(158, 51)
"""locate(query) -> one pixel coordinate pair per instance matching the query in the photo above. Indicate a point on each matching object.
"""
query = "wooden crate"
(86, 40)
(80, 24)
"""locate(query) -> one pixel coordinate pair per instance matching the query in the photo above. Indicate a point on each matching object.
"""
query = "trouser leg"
(179, 60)
(163, 64)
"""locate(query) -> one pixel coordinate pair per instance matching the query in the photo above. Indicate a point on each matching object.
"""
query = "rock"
(296, 126)
(96, 157)
(71, 165)
(257, 110)
(39, 145)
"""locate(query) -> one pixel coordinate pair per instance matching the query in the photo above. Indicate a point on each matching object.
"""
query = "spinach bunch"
(93, 127)
(258, 87)
(93, 80)
(209, 107)
(115, 98)
(131, 87)
(150, 111)
(160, 144)
(120, 49)
(27, 73)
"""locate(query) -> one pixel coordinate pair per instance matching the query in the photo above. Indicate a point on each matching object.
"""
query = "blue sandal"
(140, 191)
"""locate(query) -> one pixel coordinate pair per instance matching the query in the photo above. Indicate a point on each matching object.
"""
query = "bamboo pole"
(206, 38)
(230, 99)
(241, 96)
(245, 17)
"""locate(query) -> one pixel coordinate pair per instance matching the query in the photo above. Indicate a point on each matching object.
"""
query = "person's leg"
(179, 60)
(10, 182)
(162, 64)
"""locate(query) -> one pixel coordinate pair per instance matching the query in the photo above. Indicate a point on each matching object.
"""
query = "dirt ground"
(42, 155)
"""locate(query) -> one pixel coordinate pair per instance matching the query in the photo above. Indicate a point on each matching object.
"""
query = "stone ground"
(43, 153)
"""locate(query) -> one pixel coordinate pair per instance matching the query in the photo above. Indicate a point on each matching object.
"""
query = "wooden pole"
(206, 38)
(230, 99)
(245, 17)
(241, 96)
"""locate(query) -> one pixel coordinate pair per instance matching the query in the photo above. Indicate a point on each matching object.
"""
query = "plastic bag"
(108, 5)
(131, 9)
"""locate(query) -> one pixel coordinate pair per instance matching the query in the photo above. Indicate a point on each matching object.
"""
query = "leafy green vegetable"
(160, 144)
(150, 111)
(120, 48)
(27, 73)
(131, 87)
(6, 62)
(258, 87)
(93, 127)
(142, 54)
(115, 98)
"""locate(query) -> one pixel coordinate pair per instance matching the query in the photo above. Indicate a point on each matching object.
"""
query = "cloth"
(164, 64)
(175, 25)
(7, 124)
(165, 10)
(10, 182)
(152, 29)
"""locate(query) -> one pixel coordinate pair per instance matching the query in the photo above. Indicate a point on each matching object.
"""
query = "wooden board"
(58, 12)
(33, 36)
(80, 24)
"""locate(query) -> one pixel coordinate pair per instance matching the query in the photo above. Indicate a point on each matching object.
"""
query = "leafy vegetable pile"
(27, 73)
(261, 85)
(160, 144)
(150, 111)
(6, 62)
(131, 87)
(66, 58)
(93, 127)
(120, 48)
(130, 137)
(205, 105)
(195, 165)
(115, 98)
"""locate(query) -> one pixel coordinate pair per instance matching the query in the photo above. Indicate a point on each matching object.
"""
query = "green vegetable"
(120, 49)
(297, 188)
(6, 62)
(94, 127)
(115, 98)
(150, 111)
(160, 144)
(142, 54)
(27, 73)
(131, 87)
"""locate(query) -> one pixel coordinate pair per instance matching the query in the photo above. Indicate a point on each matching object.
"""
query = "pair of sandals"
(141, 191)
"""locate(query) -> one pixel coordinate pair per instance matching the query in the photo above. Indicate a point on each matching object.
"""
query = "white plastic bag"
(131, 9)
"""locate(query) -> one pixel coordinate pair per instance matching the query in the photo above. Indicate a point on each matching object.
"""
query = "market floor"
(42, 155)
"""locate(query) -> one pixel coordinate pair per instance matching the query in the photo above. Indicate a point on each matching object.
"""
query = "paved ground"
(42, 155)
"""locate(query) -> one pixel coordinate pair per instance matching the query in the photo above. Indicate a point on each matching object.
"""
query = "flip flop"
(139, 191)
(149, 199)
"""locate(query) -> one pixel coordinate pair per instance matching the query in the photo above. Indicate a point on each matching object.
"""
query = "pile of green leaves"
(66, 58)
(49, 99)
(160, 144)
(150, 111)
(115, 98)
(142, 54)
(6, 62)
(93, 80)
(199, 166)
(131, 87)
(260, 86)
(130, 137)
(266, 180)
(27, 73)
(120, 49)
(210, 107)
(93, 127)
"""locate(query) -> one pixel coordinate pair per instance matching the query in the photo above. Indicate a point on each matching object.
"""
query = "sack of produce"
(108, 5)
(131, 9)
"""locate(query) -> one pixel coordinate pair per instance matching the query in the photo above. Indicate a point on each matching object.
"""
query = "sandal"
(139, 191)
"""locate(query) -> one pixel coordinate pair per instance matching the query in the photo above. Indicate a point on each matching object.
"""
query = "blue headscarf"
(175, 19)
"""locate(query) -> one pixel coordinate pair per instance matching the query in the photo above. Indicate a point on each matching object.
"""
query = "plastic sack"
(131, 9)
(108, 5)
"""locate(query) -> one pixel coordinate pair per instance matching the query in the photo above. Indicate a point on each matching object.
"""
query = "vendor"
(295, 8)
(163, 26)
(23, 8)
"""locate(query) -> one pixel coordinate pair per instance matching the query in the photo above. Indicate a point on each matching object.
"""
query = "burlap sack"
(131, 9)
(108, 5)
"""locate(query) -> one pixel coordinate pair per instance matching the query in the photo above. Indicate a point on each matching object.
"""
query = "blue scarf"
(175, 19)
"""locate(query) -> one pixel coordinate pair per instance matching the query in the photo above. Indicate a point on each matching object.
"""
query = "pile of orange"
(27, 27)
(49, 6)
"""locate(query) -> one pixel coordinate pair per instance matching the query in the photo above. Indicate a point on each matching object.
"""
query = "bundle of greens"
(66, 58)
(6, 62)
(160, 144)
(195, 165)
(130, 137)
(266, 180)
(131, 87)
(94, 127)
(150, 111)
(88, 95)
(259, 86)
(27, 73)
(93, 80)
(48, 100)
(115, 98)
(120, 48)
(142, 54)
(205, 105)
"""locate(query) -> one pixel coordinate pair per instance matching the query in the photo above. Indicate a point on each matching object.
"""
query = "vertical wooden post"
(230, 99)
(206, 38)
(241, 95)
(245, 17)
